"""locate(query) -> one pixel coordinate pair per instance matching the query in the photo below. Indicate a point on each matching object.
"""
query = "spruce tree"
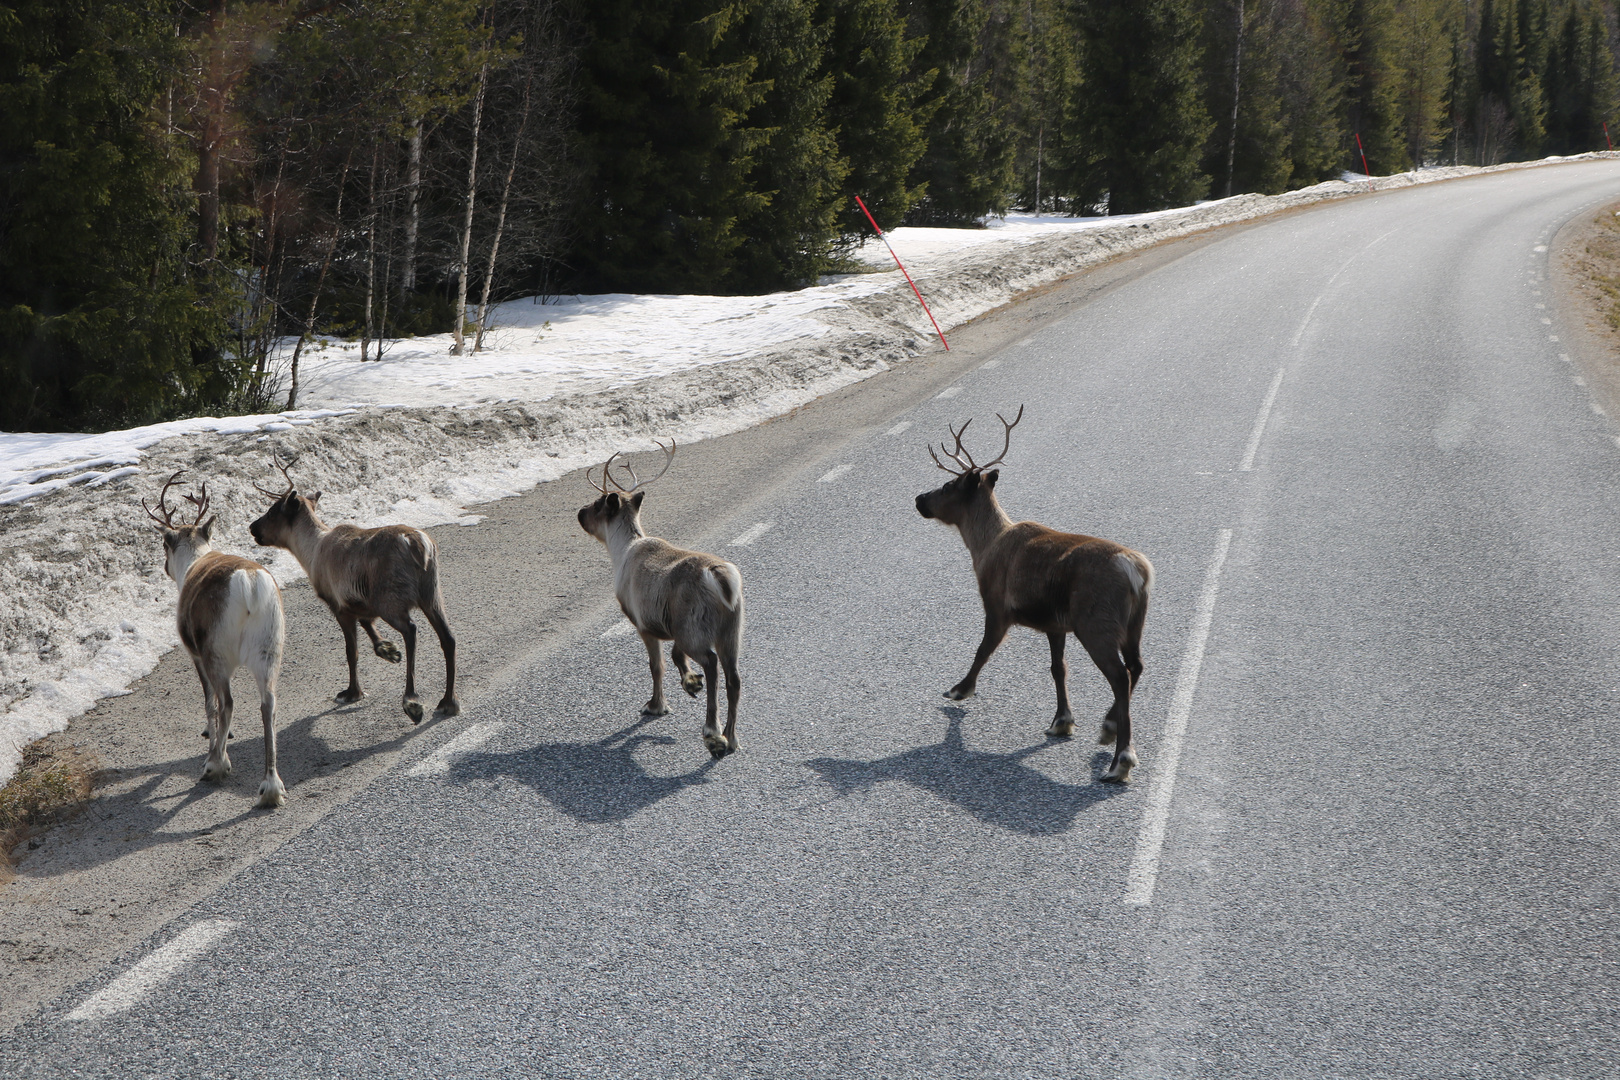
(1249, 149)
(667, 147)
(101, 321)
(1142, 116)
(1314, 83)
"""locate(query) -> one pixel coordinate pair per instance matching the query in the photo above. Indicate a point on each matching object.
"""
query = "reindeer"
(364, 575)
(1052, 582)
(229, 617)
(670, 594)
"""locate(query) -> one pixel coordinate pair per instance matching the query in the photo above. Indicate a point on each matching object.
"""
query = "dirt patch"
(1586, 286)
(53, 783)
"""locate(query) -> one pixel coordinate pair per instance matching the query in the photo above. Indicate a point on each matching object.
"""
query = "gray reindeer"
(671, 594)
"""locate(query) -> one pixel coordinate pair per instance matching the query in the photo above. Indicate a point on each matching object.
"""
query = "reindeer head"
(182, 544)
(617, 502)
(276, 527)
(957, 498)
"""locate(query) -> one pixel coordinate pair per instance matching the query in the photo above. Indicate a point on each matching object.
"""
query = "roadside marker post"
(1606, 136)
(1363, 150)
(902, 267)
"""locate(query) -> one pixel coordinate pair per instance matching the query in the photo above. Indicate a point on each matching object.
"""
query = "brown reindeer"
(229, 616)
(1052, 582)
(364, 575)
(670, 594)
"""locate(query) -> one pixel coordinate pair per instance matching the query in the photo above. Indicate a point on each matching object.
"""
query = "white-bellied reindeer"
(364, 575)
(669, 594)
(1053, 582)
(229, 617)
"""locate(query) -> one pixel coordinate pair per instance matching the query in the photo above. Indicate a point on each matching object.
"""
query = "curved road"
(1374, 830)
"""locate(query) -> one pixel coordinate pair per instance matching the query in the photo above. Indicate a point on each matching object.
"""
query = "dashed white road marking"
(899, 428)
(1564, 356)
(438, 763)
(153, 970)
(1597, 408)
(622, 628)
(991, 364)
(752, 533)
(1552, 337)
(949, 392)
(1260, 424)
(1144, 872)
(835, 472)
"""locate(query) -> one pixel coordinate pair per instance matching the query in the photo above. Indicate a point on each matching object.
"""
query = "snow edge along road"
(88, 610)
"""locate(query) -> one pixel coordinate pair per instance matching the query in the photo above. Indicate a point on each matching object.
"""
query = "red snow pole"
(1606, 136)
(902, 267)
(1363, 150)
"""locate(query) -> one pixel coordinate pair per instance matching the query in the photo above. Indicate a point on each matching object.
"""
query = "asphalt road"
(1382, 511)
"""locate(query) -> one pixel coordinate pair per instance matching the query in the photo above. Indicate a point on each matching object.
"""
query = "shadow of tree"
(597, 782)
(998, 789)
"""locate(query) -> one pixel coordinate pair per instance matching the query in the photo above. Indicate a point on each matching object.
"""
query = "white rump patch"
(1132, 572)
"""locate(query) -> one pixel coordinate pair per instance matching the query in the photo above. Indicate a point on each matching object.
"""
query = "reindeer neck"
(305, 538)
(623, 532)
(983, 526)
(185, 558)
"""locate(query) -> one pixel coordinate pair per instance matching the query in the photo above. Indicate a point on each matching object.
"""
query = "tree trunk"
(320, 282)
(500, 218)
(214, 92)
(413, 208)
(467, 223)
(371, 256)
(1237, 73)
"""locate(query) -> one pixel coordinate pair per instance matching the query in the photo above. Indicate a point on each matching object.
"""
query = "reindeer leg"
(716, 742)
(448, 705)
(208, 698)
(1063, 723)
(733, 692)
(385, 649)
(691, 681)
(407, 630)
(351, 650)
(218, 765)
(1106, 655)
(656, 705)
(272, 792)
(995, 632)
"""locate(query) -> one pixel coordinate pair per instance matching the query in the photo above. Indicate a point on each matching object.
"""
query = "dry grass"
(1600, 264)
(53, 783)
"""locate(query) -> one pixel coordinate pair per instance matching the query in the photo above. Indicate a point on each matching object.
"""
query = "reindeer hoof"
(388, 651)
(692, 683)
(1120, 771)
(1108, 734)
(716, 742)
(349, 697)
(956, 693)
(448, 706)
(655, 708)
(216, 772)
(1061, 728)
(272, 793)
(413, 709)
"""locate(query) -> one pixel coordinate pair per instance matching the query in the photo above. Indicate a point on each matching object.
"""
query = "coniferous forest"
(186, 187)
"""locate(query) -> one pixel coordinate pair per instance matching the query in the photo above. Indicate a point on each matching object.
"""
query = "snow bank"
(417, 437)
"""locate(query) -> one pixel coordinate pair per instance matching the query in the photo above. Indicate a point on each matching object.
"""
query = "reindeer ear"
(991, 477)
(315, 499)
(206, 529)
(635, 500)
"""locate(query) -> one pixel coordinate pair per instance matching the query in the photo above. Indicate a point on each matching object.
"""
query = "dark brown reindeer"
(229, 616)
(670, 594)
(364, 575)
(1052, 582)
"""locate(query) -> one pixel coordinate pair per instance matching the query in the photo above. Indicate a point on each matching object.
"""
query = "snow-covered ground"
(420, 435)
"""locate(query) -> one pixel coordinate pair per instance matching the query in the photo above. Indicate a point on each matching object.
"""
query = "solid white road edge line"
(1144, 873)
(752, 533)
(153, 970)
(835, 472)
(1260, 423)
(622, 628)
(438, 763)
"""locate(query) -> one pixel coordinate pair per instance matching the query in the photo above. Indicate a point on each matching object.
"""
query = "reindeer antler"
(965, 459)
(275, 459)
(167, 520)
(636, 483)
(200, 503)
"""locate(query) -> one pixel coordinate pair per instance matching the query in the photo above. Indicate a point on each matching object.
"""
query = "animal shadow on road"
(998, 789)
(596, 782)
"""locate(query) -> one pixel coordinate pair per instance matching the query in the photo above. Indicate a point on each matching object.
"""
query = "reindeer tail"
(725, 583)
